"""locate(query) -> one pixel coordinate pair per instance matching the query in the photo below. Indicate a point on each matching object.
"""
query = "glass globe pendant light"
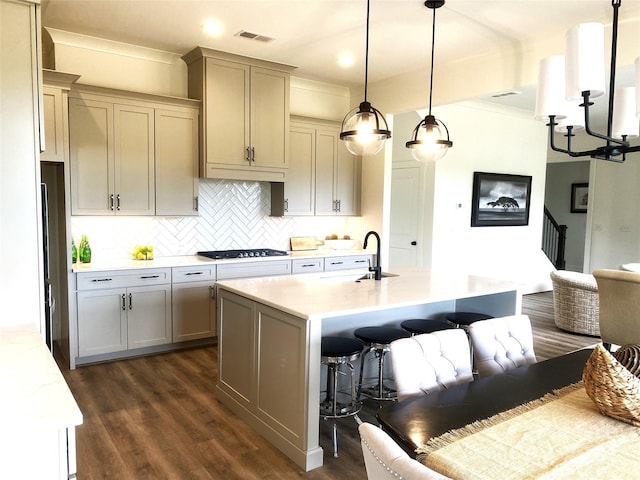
(430, 139)
(365, 131)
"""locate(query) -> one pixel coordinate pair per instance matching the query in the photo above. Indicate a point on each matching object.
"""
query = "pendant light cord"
(366, 56)
(433, 41)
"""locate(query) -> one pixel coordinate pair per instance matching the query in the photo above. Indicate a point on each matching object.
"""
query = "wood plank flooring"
(156, 417)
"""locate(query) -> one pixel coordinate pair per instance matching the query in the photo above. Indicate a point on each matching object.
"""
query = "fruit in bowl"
(143, 252)
(344, 243)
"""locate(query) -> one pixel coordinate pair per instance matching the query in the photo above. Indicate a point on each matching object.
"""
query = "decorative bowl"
(341, 244)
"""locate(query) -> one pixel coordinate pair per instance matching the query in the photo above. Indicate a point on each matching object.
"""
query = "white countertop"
(195, 260)
(330, 294)
(34, 392)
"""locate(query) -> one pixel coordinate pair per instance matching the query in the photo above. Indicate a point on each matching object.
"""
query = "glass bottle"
(85, 250)
(74, 251)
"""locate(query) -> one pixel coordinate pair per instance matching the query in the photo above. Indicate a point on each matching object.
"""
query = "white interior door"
(405, 238)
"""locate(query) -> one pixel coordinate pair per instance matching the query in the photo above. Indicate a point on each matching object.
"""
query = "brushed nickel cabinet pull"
(118, 202)
(111, 207)
(253, 154)
(146, 277)
(102, 279)
(248, 154)
(193, 273)
(130, 302)
(123, 303)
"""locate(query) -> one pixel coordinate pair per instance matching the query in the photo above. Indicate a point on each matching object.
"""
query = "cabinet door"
(347, 182)
(134, 160)
(102, 322)
(176, 136)
(91, 157)
(53, 125)
(149, 316)
(269, 117)
(299, 189)
(226, 108)
(194, 311)
(326, 153)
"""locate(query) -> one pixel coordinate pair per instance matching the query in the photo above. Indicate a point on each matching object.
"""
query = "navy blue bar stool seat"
(377, 340)
(464, 319)
(417, 326)
(336, 352)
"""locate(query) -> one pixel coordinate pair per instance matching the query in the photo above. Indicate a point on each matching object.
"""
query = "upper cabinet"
(323, 178)
(245, 120)
(55, 95)
(132, 156)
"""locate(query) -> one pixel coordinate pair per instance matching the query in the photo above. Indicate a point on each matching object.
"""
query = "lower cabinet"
(194, 311)
(114, 320)
(123, 310)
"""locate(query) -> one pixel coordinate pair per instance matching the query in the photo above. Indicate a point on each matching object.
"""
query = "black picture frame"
(500, 200)
(579, 197)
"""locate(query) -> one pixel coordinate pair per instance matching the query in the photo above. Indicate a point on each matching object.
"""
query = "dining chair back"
(501, 344)
(385, 459)
(619, 306)
(430, 361)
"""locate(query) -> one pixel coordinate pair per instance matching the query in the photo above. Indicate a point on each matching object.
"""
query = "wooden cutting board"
(303, 243)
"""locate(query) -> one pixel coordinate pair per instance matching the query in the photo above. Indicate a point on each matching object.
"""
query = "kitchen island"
(270, 331)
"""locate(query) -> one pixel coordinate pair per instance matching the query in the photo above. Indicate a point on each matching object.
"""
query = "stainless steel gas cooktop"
(244, 253)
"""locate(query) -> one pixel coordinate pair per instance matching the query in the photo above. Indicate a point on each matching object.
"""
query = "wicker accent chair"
(575, 302)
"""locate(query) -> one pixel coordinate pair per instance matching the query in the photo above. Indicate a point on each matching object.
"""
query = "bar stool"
(417, 326)
(377, 340)
(463, 320)
(337, 351)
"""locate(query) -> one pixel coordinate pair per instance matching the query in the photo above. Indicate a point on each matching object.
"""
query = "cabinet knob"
(414, 243)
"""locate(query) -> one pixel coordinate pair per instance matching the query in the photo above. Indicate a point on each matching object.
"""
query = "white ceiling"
(311, 34)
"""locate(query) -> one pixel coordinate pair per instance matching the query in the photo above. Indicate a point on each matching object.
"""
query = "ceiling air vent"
(254, 36)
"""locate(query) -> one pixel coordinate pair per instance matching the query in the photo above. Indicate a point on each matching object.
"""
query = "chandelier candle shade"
(572, 81)
(430, 139)
(365, 131)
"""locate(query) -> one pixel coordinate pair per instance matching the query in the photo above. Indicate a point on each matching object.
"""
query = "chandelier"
(567, 84)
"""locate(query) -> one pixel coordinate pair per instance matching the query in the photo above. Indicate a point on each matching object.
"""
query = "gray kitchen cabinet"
(54, 124)
(347, 262)
(111, 158)
(269, 268)
(245, 121)
(132, 154)
(123, 310)
(193, 303)
(176, 147)
(323, 177)
(307, 265)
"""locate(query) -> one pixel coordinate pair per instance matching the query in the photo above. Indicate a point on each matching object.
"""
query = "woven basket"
(613, 388)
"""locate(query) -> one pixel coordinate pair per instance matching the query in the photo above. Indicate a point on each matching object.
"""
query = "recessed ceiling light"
(212, 27)
(346, 59)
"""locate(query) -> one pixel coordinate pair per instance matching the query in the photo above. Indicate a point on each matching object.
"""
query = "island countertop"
(330, 294)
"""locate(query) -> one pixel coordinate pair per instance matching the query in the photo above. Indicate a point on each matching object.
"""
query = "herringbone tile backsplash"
(233, 214)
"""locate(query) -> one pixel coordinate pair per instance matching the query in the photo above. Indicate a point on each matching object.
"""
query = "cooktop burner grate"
(245, 253)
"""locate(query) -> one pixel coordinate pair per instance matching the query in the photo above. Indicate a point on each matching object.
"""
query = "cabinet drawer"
(193, 274)
(307, 265)
(346, 262)
(124, 278)
(253, 269)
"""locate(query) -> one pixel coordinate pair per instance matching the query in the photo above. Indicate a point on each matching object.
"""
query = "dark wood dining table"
(413, 422)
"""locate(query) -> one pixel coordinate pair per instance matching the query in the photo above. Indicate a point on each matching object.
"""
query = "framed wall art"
(500, 200)
(579, 197)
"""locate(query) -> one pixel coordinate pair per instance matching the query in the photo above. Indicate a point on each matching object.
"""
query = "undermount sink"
(370, 276)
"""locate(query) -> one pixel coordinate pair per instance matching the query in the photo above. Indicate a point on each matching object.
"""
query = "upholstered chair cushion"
(619, 317)
(384, 459)
(431, 361)
(501, 344)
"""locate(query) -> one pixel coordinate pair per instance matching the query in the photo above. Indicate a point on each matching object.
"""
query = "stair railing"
(554, 238)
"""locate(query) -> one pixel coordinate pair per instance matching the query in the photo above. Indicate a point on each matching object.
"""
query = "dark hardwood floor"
(157, 417)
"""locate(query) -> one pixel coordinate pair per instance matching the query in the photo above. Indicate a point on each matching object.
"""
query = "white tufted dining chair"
(384, 459)
(501, 344)
(430, 361)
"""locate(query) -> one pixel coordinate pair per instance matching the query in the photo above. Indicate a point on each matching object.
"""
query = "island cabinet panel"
(282, 365)
(236, 375)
